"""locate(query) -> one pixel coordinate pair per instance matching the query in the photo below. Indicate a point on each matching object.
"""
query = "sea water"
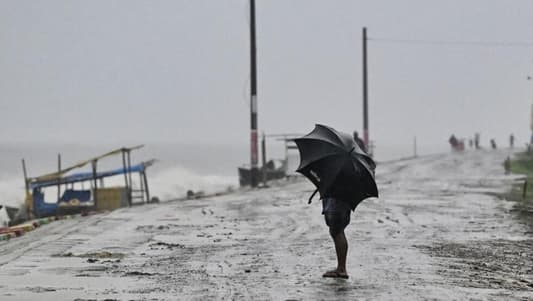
(178, 168)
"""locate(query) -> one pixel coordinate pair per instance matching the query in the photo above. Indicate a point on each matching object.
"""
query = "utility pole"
(365, 93)
(254, 171)
(263, 157)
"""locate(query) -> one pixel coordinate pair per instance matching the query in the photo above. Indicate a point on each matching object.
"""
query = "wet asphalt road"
(439, 231)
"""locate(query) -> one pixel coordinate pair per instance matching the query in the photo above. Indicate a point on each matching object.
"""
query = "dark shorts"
(337, 214)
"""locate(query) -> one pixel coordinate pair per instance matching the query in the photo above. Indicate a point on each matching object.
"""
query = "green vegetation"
(523, 164)
(523, 208)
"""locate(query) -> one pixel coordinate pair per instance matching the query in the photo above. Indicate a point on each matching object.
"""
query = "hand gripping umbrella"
(336, 165)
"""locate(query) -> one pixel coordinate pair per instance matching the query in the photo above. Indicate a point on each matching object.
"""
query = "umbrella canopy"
(337, 166)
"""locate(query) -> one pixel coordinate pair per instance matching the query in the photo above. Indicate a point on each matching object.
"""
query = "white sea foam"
(11, 191)
(174, 182)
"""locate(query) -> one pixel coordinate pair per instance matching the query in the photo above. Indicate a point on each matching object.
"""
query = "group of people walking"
(458, 144)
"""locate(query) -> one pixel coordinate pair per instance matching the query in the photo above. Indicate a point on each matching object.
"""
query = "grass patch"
(523, 164)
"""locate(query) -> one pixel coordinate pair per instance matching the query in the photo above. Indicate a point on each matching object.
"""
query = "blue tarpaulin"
(87, 176)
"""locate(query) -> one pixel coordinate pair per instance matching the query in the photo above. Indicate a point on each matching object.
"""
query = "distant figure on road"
(493, 144)
(456, 144)
(453, 141)
(511, 141)
(470, 143)
(359, 141)
(507, 165)
(476, 140)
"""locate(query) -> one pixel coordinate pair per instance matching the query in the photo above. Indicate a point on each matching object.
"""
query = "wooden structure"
(73, 197)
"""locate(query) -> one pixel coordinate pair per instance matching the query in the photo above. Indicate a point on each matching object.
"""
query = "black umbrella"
(336, 165)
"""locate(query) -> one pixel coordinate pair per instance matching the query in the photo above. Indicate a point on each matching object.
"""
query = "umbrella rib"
(321, 140)
(338, 137)
(318, 159)
(333, 131)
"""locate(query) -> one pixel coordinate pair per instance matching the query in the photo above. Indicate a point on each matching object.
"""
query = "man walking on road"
(336, 211)
(337, 216)
(359, 142)
(343, 173)
(476, 140)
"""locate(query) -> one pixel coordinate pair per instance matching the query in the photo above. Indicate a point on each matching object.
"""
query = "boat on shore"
(81, 192)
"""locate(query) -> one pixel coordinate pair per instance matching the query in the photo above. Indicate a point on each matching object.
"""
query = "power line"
(454, 43)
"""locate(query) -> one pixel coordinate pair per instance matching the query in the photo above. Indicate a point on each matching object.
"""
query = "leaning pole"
(254, 172)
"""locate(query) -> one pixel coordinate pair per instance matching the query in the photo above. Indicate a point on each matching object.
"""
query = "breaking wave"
(174, 182)
(11, 191)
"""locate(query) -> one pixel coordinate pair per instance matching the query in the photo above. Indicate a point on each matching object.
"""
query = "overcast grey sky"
(178, 71)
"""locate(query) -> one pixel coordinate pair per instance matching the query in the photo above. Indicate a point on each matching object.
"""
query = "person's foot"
(336, 274)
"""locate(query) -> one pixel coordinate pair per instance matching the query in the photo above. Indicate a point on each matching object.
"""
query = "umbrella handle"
(311, 198)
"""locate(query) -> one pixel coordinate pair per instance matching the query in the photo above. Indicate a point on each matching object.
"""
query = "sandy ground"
(439, 231)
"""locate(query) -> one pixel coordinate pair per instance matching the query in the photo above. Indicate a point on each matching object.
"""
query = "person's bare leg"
(341, 248)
